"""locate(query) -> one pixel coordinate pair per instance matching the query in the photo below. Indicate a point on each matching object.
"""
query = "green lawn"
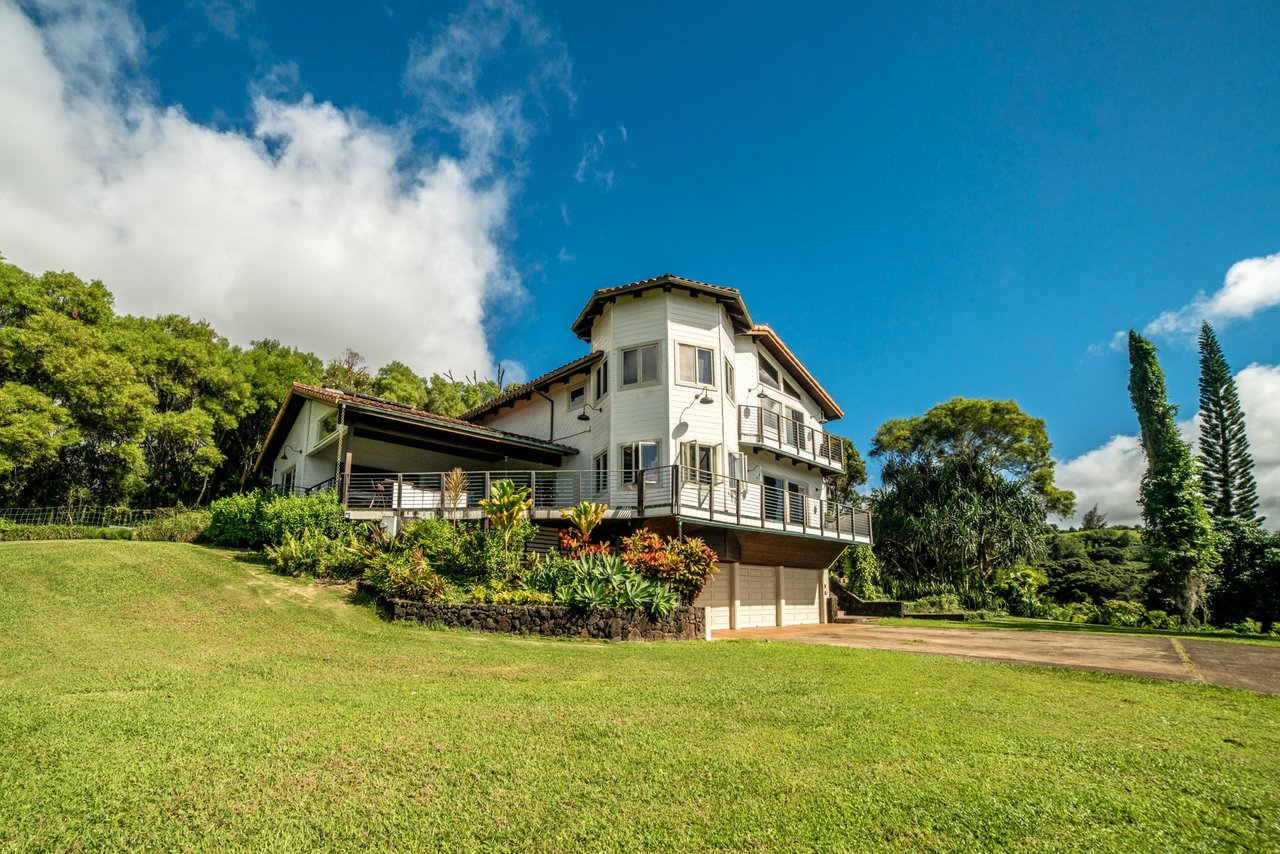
(161, 696)
(1027, 624)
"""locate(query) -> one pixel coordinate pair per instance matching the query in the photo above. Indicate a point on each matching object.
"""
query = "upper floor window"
(769, 374)
(788, 388)
(577, 395)
(694, 365)
(640, 365)
(638, 458)
(729, 388)
(699, 461)
(602, 379)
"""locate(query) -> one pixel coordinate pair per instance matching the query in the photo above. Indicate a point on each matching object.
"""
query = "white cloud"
(1109, 475)
(318, 226)
(1250, 286)
(591, 165)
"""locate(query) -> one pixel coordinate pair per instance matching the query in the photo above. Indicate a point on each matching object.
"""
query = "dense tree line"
(102, 408)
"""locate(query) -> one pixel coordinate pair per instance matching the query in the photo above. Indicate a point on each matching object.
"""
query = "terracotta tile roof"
(783, 354)
(581, 365)
(731, 298)
(368, 403)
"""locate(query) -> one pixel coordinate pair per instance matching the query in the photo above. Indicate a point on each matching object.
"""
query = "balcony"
(773, 431)
(664, 491)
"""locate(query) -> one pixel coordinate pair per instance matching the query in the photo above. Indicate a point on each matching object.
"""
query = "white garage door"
(802, 590)
(757, 596)
(716, 597)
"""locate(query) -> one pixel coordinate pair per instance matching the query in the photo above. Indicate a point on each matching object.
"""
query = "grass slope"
(161, 696)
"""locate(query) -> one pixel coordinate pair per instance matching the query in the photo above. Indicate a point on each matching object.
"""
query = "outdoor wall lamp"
(583, 416)
(760, 392)
(706, 396)
(284, 457)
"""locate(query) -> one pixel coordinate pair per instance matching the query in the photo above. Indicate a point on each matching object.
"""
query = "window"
(788, 388)
(694, 365)
(577, 396)
(698, 461)
(602, 379)
(728, 380)
(769, 374)
(784, 500)
(737, 466)
(640, 457)
(796, 432)
(640, 365)
(286, 479)
(600, 470)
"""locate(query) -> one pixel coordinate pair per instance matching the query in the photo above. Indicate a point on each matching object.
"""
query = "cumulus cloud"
(317, 226)
(1250, 286)
(1109, 475)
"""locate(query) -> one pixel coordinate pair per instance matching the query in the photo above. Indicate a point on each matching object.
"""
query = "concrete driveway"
(1253, 667)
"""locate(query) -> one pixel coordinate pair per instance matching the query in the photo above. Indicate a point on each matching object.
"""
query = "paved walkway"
(1249, 666)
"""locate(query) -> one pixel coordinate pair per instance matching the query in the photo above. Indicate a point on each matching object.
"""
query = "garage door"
(757, 596)
(716, 597)
(802, 589)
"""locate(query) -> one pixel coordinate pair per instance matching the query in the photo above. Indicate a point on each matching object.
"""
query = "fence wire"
(91, 517)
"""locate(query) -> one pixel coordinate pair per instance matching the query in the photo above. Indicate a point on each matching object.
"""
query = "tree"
(1250, 573)
(843, 487)
(397, 382)
(1093, 520)
(1179, 533)
(1226, 467)
(348, 372)
(994, 433)
(955, 523)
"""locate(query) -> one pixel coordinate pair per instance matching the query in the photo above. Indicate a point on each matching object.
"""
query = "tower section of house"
(684, 416)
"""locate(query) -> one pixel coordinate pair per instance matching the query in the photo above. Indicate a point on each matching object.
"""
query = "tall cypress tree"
(1179, 534)
(1226, 468)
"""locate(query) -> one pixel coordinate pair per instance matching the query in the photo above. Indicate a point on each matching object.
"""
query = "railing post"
(639, 493)
(533, 488)
(822, 520)
(711, 498)
(399, 506)
(737, 500)
(677, 500)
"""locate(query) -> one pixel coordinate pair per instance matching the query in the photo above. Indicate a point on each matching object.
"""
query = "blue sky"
(927, 202)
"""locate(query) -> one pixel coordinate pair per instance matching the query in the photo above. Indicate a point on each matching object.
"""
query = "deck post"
(639, 494)
(677, 500)
(533, 489)
(399, 507)
(346, 478)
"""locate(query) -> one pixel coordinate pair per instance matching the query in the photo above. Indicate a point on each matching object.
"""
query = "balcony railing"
(664, 491)
(769, 429)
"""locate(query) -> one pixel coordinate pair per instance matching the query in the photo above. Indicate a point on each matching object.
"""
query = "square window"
(695, 365)
(577, 396)
(769, 374)
(640, 365)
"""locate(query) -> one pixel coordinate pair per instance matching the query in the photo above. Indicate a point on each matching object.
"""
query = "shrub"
(316, 555)
(1120, 613)
(1160, 620)
(317, 513)
(684, 565)
(466, 554)
(402, 575)
(940, 603)
(236, 520)
(1246, 627)
(255, 519)
(15, 533)
(1018, 588)
(860, 572)
(182, 527)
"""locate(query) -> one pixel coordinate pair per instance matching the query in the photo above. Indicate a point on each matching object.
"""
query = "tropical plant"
(455, 487)
(685, 565)
(506, 506)
(1178, 533)
(604, 581)
(584, 518)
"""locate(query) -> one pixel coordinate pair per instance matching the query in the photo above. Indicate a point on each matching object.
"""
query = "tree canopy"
(994, 433)
(105, 408)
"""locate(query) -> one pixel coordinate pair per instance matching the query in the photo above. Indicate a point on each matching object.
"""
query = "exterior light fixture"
(706, 397)
(284, 457)
(583, 416)
(760, 392)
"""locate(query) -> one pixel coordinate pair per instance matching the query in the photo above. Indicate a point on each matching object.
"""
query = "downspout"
(551, 437)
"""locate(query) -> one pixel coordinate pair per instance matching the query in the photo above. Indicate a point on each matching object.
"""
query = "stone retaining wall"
(684, 623)
(843, 600)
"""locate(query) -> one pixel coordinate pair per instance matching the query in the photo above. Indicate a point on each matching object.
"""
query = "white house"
(684, 417)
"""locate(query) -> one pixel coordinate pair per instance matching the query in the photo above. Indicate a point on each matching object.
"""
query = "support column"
(824, 597)
(734, 601)
(781, 602)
